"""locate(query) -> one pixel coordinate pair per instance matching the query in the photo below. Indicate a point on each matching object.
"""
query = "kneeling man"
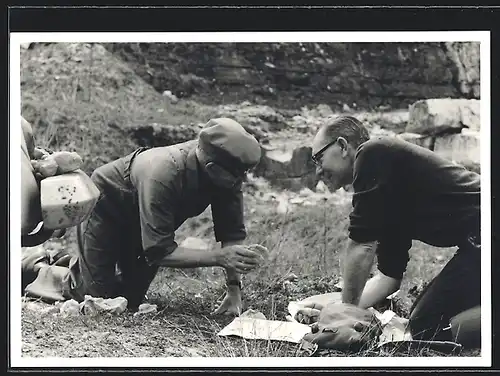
(403, 192)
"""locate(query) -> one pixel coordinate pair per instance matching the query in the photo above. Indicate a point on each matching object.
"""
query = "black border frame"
(268, 18)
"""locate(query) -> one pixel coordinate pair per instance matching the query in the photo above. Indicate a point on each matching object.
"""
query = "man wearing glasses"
(403, 192)
(146, 195)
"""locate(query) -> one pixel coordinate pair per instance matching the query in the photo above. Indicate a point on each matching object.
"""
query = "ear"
(344, 146)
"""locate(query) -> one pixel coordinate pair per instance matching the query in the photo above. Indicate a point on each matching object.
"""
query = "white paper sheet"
(253, 325)
(251, 328)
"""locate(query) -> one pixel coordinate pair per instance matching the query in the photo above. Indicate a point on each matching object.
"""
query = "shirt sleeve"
(369, 201)
(156, 209)
(227, 215)
(393, 256)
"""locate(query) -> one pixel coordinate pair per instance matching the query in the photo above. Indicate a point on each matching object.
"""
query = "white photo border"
(15, 340)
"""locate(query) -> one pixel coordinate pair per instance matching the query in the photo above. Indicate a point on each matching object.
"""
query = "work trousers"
(455, 290)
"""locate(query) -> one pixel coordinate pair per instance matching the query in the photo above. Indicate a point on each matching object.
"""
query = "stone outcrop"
(443, 115)
(449, 127)
(291, 75)
(264, 117)
(466, 58)
(289, 168)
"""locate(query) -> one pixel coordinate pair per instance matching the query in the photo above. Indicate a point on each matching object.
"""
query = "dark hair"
(348, 127)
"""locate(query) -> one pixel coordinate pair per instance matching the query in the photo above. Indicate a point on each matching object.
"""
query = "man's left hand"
(231, 304)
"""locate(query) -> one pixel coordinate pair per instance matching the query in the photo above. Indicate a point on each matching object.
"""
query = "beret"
(225, 141)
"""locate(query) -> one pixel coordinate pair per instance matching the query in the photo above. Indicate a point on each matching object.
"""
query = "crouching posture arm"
(403, 192)
(148, 194)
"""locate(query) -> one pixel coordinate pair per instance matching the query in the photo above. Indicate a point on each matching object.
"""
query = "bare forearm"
(378, 288)
(357, 265)
(183, 257)
(231, 274)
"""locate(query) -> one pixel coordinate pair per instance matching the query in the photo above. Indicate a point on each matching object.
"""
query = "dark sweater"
(403, 192)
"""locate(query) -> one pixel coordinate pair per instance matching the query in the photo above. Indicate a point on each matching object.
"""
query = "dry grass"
(183, 325)
(81, 98)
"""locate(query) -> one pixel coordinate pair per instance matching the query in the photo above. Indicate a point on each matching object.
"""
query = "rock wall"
(465, 56)
(287, 75)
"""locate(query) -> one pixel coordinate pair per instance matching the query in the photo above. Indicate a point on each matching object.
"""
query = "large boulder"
(288, 168)
(463, 148)
(443, 115)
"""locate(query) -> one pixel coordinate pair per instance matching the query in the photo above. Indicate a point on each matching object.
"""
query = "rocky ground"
(81, 97)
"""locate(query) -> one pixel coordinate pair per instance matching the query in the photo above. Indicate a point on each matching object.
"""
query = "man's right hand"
(343, 326)
(242, 258)
(308, 313)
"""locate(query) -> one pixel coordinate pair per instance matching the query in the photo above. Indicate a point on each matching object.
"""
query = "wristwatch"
(234, 282)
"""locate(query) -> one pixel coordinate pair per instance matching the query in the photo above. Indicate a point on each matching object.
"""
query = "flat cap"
(225, 141)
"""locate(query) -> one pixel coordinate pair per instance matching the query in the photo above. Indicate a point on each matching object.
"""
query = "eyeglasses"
(316, 157)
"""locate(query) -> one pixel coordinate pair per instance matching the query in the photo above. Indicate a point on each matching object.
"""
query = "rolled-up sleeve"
(156, 209)
(393, 256)
(227, 214)
(369, 201)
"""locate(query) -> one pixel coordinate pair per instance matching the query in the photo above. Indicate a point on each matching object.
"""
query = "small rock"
(324, 110)
(321, 187)
(173, 98)
(288, 167)
(305, 192)
(146, 309)
(70, 308)
(254, 314)
(283, 207)
(297, 200)
(92, 306)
